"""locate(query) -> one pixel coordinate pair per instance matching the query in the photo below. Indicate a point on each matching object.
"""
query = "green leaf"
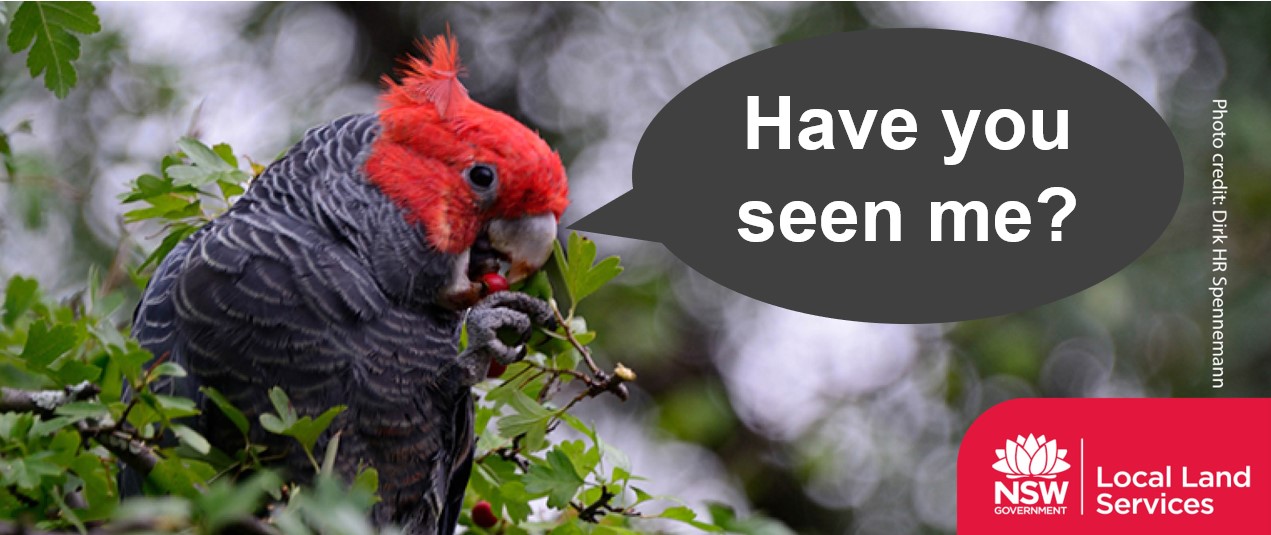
(557, 478)
(306, 429)
(14, 425)
(224, 503)
(226, 154)
(328, 458)
(368, 480)
(684, 514)
(48, 27)
(192, 438)
(273, 424)
(172, 407)
(167, 369)
(44, 345)
(80, 410)
(99, 489)
(130, 360)
(681, 513)
(598, 276)
(170, 242)
(282, 406)
(641, 495)
(208, 166)
(581, 278)
(203, 156)
(19, 295)
(45, 427)
(74, 371)
(29, 472)
(228, 409)
(6, 150)
(181, 476)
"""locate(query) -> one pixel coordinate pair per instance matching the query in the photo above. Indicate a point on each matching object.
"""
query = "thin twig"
(117, 263)
(597, 509)
(569, 335)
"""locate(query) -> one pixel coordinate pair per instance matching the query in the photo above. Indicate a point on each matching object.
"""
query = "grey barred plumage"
(316, 282)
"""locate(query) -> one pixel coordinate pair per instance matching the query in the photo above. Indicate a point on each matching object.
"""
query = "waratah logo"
(1031, 457)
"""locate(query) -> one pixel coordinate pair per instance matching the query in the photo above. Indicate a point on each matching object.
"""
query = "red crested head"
(454, 165)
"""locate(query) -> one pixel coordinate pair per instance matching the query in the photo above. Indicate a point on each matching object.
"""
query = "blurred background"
(825, 425)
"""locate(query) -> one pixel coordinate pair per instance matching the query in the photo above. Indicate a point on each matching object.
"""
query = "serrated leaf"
(19, 295)
(581, 278)
(306, 430)
(202, 156)
(578, 425)
(228, 409)
(49, 28)
(556, 478)
(680, 512)
(73, 371)
(44, 345)
(526, 405)
(226, 154)
(189, 175)
(130, 360)
(515, 425)
(598, 276)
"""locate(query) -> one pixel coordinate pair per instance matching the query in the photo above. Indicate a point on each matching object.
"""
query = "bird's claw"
(512, 313)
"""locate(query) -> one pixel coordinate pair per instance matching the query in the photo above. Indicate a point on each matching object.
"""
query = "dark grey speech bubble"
(693, 172)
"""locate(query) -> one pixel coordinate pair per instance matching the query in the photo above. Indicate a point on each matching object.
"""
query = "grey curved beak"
(527, 243)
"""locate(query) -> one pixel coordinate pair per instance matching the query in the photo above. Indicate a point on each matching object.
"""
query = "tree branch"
(44, 402)
(126, 446)
(251, 526)
(121, 442)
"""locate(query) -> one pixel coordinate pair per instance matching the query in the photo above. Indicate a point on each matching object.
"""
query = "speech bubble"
(1093, 206)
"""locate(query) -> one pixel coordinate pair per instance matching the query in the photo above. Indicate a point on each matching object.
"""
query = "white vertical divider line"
(1083, 476)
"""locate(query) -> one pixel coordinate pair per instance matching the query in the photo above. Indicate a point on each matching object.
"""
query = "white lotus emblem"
(1031, 457)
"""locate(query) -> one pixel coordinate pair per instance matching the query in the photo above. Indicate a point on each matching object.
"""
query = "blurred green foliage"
(1148, 324)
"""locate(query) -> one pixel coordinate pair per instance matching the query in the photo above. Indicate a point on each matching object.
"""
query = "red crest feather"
(435, 77)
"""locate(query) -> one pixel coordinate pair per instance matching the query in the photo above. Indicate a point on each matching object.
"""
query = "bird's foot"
(498, 328)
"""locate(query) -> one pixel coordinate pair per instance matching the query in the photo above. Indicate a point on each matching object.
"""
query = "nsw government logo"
(1032, 486)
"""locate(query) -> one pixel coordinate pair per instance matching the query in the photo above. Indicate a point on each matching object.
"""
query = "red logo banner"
(1095, 466)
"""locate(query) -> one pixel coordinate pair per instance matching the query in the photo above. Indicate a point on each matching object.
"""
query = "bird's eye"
(481, 176)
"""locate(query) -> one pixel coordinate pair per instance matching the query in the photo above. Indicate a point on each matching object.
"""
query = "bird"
(344, 274)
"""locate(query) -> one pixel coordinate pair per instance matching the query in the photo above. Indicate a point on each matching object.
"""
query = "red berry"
(495, 370)
(483, 515)
(494, 283)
